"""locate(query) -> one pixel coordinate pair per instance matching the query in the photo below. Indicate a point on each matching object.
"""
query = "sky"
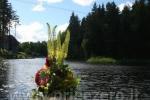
(34, 14)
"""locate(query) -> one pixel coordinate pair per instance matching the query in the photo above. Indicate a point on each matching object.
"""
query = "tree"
(112, 31)
(125, 34)
(106, 31)
(34, 49)
(75, 38)
(7, 16)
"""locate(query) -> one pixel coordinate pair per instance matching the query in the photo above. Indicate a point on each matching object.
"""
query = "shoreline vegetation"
(101, 60)
(5, 54)
(24, 50)
(92, 60)
(112, 61)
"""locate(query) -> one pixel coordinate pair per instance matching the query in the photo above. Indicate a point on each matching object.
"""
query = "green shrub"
(101, 60)
(22, 55)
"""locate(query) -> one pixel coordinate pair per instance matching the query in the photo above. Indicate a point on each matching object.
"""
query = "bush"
(22, 55)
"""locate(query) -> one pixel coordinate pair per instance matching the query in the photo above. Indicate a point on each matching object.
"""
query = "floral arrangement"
(55, 75)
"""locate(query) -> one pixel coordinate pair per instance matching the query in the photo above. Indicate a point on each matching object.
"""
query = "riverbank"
(109, 60)
(101, 60)
(5, 54)
(10, 55)
(92, 60)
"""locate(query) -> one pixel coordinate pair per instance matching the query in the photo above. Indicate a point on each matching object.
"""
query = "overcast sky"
(34, 14)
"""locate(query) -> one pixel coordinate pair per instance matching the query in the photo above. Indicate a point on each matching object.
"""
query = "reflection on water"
(3, 80)
(18, 79)
(97, 81)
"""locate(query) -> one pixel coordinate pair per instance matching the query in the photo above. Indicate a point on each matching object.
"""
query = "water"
(98, 82)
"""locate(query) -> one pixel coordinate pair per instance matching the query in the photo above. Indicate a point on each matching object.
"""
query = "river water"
(98, 82)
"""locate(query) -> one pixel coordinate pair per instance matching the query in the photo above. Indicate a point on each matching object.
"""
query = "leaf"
(49, 31)
(57, 49)
(43, 74)
(54, 41)
(54, 31)
(49, 42)
(65, 45)
(51, 45)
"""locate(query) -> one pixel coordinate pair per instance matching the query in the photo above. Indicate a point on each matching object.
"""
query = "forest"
(107, 31)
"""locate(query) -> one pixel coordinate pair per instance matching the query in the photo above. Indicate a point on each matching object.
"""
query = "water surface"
(105, 82)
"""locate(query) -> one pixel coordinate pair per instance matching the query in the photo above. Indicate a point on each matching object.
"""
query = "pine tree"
(112, 28)
(76, 37)
(7, 15)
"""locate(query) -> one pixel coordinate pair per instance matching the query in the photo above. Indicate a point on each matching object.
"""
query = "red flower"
(41, 80)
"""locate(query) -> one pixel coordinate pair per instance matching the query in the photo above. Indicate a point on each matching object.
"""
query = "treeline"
(108, 32)
(26, 50)
(33, 49)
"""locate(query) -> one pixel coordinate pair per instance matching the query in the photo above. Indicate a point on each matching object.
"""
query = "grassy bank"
(102, 60)
(109, 60)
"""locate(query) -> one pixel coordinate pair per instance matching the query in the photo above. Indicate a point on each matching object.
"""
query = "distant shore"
(109, 60)
(92, 60)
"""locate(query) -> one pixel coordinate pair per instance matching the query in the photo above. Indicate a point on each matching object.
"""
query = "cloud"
(121, 6)
(50, 1)
(31, 32)
(83, 2)
(53, 1)
(35, 31)
(40, 4)
(39, 7)
(62, 27)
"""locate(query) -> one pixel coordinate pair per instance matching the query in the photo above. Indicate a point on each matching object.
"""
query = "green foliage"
(75, 49)
(32, 49)
(6, 54)
(51, 42)
(22, 55)
(9, 55)
(62, 79)
(57, 49)
(102, 60)
(65, 45)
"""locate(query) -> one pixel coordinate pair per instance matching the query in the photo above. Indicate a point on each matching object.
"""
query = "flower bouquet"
(55, 75)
